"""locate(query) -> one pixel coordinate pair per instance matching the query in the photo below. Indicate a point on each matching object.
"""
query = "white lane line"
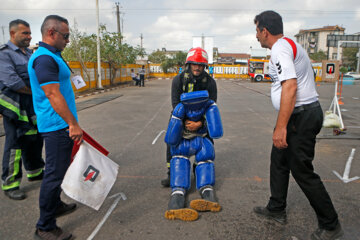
(250, 109)
(345, 177)
(157, 137)
(130, 143)
(118, 197)
(226, 91)
(260, 116)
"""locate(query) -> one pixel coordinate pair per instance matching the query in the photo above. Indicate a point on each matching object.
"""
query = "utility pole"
(358, 61)
(118, 20)
(122, 24)
(141, 41)
(202, 41)
(99, 85)
(3, 33)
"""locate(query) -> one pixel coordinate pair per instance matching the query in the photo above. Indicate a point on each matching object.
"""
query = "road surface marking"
(118, 196)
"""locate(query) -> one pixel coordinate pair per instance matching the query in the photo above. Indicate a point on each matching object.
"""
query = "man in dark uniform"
(193, 78)
(22, 141)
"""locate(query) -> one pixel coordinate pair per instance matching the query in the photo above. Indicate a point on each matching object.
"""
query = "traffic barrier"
(334, 109)
(340, 91)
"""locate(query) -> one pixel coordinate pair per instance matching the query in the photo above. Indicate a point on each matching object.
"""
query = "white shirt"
(283, 67)
(142, 71)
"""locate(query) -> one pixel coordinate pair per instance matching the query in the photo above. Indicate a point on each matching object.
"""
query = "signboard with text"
(330, 70)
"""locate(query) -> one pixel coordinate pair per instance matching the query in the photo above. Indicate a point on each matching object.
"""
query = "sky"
(172, 24)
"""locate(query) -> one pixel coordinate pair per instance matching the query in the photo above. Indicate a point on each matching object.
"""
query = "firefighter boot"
(177, 210)
(207, 202)
(166, 181)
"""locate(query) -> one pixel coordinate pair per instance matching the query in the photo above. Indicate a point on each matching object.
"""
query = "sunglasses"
(64, 35)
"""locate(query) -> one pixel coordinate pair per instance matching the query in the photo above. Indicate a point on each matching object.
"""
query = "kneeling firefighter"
(193, 78)
(196, 107)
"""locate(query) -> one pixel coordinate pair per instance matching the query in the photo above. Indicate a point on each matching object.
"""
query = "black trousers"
(142, 79)
(26, 149)
(297, 158)
(58, 147)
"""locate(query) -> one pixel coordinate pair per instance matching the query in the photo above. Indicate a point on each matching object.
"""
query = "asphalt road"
(127, 126)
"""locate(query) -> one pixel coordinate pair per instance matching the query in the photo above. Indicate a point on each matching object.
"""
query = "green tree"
(83, 49)
(349, 57)
(157, 56)
(180, 58)
(166, 63)
(343, 69)
(318, 56)
(116, 54)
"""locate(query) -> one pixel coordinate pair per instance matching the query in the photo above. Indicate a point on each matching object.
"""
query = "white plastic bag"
(90, 177)
(331, 120)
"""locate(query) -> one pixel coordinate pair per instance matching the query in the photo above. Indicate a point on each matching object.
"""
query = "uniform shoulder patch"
(3, 46)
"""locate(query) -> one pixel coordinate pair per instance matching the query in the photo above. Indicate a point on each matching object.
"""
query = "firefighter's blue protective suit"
(194, 106)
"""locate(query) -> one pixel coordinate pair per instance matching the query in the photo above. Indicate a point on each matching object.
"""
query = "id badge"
(78, 81)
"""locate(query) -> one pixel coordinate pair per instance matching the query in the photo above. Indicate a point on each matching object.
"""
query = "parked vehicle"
(353, 74)
(258, 69)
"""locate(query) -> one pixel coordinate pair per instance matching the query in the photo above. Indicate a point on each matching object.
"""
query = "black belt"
(305, 107)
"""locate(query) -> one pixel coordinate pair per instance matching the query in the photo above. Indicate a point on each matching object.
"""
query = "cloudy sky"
(172, 24)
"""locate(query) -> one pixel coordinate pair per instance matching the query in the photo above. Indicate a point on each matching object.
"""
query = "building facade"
(232, 58)
(315, 40)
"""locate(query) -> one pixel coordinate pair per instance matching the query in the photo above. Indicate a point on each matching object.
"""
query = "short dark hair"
(16, 22)
(58, 19)
(270, 20)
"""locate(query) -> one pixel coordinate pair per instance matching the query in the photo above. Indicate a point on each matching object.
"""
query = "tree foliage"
(167, 63)
(157, 56)
(83, 48)
(180, 58)
(349, 57)
(318, 56)
(343, 69)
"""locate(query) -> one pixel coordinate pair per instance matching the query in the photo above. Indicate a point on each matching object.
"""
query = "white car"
(353, 74)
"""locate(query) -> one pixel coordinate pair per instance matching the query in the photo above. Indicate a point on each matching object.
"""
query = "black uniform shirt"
(178, 84)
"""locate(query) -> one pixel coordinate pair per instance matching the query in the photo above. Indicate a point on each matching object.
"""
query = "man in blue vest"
(54, 104)
(23, 144)
(211, 71)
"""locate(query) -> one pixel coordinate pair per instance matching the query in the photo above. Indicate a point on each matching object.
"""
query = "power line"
(182, 10)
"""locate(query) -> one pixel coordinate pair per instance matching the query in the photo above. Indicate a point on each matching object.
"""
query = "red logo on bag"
(91, 174)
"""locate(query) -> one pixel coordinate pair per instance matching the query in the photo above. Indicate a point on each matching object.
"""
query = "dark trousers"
(58, 146)
(142, 80)
(26, 149)
(297, 158)
(137, 81)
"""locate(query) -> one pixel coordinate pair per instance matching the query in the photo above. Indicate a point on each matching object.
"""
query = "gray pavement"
(128, 125)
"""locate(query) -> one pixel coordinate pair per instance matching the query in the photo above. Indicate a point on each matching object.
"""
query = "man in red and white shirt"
(299, 120)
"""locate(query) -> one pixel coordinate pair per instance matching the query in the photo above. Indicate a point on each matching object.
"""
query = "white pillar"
(98, 46)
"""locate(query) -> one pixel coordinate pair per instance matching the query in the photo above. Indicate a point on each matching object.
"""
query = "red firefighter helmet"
(197, 56)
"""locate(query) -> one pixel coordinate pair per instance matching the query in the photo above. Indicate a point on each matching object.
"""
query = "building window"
(334, 56)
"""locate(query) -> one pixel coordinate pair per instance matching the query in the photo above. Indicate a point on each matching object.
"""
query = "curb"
(97, 92)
